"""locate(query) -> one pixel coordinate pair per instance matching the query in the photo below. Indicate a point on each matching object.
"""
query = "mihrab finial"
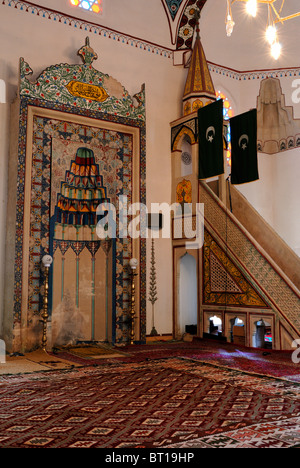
(197, 16)
(87, 54)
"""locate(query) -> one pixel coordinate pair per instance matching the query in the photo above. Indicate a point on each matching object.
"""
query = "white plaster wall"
(276, 196)
(287, 197)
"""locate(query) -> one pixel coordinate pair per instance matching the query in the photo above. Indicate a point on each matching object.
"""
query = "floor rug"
(274, 434)
(89, 352)
(272, 363)
(155, 403)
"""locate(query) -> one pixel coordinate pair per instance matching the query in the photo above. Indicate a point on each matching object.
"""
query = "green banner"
(244, 166)
(210, 131)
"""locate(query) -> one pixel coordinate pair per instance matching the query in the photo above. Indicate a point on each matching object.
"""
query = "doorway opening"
(237, 331)
(2, 92)
(214, 326)
(263, 337)
(187, 320)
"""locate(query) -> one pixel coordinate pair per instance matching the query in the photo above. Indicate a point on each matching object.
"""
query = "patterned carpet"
(257, 361)
(172, 402)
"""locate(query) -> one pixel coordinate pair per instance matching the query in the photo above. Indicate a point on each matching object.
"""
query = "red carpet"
(272, 363)
(147, 403)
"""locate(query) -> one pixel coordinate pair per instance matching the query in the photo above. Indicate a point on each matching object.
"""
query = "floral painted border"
(82, 86)
(89, 27)
(24, 104)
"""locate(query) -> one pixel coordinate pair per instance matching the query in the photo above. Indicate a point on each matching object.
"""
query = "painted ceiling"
(181, 18)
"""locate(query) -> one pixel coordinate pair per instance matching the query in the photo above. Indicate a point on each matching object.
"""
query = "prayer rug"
(86, 355)
(91, 352)
(154, 403)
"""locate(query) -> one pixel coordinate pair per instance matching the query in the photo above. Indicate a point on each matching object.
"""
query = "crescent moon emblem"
(243, 137)
(210, 129)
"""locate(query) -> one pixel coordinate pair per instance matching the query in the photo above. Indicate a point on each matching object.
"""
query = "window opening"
(263, 336)
(2, 92)
(215, 325)
(227, 114)
(89, 5)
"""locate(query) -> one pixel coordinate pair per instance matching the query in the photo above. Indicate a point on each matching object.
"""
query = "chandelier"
(274, 17)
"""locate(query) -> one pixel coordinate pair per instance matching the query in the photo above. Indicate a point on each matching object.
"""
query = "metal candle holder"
(47, 261)
(133, 265)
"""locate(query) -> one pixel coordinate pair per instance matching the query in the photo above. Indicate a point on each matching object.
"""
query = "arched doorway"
(262, 336)
(213, 325)
(187, 315)
(237, 331)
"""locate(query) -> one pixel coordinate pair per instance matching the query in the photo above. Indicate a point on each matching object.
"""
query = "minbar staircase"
(269, 264)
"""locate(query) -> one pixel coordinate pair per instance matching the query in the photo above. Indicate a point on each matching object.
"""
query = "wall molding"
(252, 74)
(91, 27)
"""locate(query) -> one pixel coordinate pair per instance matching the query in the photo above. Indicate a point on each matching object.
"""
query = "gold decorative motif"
(184, 192)
(188, 83)
(183, 131)
(187, 108)
(198, 79)
(87, 91)
(197, 75)
(197, 105)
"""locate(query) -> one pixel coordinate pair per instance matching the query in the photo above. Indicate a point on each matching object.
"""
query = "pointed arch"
(182, 132)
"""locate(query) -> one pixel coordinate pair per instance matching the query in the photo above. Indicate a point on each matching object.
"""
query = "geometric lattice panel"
(220, 279)
(224, 284)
